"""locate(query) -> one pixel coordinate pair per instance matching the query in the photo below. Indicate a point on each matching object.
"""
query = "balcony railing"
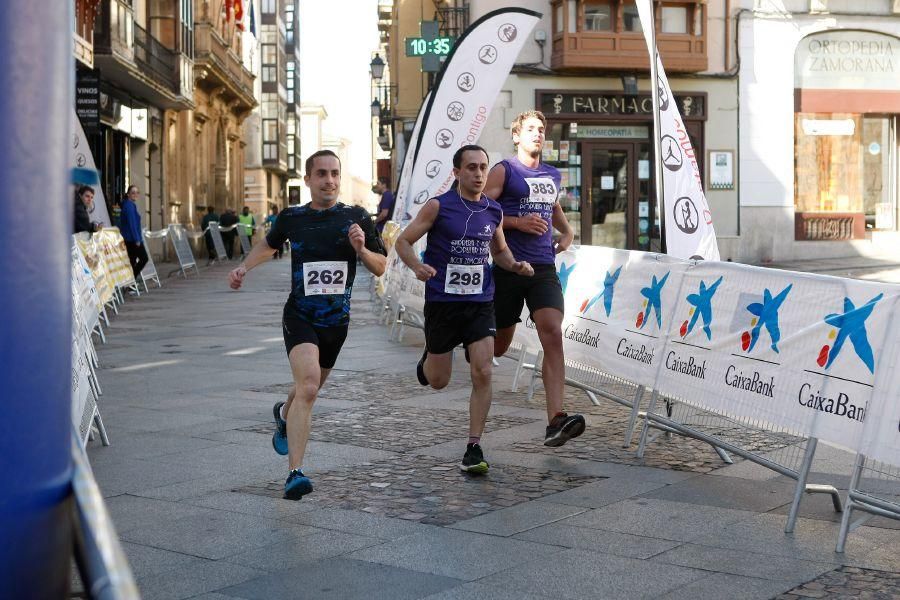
(578, 46)
(132, 58)
(222, 62)
(116, 32)
(151, 56)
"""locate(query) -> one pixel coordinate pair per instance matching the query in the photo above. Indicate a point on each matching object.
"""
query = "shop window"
(842, 174)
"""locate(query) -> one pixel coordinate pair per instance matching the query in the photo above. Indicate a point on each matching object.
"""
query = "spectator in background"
(228, 219)
(209, 217)
(386, 205)
(269, 223)
(248, 223)
(84, 205)
(130, 226)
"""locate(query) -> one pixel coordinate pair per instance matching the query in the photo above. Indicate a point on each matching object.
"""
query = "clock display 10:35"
(420, 46)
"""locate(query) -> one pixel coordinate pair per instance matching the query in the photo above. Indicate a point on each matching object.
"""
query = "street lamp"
(376, 108)
(377, 66)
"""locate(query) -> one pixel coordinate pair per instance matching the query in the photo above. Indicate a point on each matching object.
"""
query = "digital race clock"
(416, 46)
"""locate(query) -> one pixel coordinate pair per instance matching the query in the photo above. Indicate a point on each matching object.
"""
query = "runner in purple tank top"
(528, 191)
(464, 229)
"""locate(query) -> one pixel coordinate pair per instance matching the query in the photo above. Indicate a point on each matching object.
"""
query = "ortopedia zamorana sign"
(848, 60)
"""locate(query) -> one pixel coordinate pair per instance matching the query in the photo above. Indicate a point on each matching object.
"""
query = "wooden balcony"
(217, 65)
(576, 49)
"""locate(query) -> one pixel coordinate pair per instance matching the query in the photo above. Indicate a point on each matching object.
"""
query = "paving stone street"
(190, 373)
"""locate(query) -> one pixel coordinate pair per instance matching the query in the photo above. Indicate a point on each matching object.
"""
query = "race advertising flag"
(83, 158)
(399, 213)
(687, 220)
(462, 99)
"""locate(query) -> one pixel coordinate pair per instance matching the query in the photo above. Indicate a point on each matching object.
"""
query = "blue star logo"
(654, 299)
(702, 302)
(767, 314)
(609, 288)
(563, 274)
(852, 324)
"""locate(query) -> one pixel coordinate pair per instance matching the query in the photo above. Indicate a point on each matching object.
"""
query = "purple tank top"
(525, 191)
(458, 247)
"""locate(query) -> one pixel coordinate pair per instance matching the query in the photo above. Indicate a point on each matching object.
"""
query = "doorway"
(617, 198)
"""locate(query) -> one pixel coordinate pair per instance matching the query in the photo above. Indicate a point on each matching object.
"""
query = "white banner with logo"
(812, 354)
(83, 158)
(402, 199)
(461, 101)
(688, 220)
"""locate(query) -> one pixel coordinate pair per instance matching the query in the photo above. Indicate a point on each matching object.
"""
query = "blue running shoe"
(297, 485)
(279, 438)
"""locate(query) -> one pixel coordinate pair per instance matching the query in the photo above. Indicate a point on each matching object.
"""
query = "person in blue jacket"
(130, 226)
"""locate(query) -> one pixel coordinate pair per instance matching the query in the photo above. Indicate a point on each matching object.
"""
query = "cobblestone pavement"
(189, 377)
(397, 429)
(603, 439)
(848, 582)
(362, 387)
(429, 490)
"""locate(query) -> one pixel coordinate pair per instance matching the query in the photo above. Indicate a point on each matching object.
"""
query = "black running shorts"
(328, 339)
(512, 290)
(449, 324)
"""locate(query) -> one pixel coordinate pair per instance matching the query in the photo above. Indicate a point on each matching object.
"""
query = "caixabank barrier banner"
(111, 244)
(97, 264)
(812, 354)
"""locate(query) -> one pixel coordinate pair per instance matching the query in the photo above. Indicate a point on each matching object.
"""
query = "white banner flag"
(400, 202)
(688, 220)
(82, 157)
(461, 101)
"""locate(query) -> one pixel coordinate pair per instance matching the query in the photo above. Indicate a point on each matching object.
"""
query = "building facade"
(820, 99)
(274, 126)
(586, 67)
(173, 93)
(140, 53)
(792, 108)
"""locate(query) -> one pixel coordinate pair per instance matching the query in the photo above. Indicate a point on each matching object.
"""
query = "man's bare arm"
(419, 226)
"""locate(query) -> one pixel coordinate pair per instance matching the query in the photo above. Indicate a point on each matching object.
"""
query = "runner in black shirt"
(326, 239)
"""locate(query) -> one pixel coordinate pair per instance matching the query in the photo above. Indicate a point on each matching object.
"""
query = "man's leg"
(438, 368)
(561, 427)
(308, 378)
(503, 340)
(480, 355)
(553, 370)
(509, 298)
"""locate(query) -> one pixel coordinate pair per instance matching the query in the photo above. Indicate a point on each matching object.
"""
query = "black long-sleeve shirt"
(82, 219)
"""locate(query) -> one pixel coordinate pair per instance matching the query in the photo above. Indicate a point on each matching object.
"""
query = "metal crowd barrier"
(149, 273)
(101, 562)
(179, 238)
(875, 490)
(792, 455)
(774, 448)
